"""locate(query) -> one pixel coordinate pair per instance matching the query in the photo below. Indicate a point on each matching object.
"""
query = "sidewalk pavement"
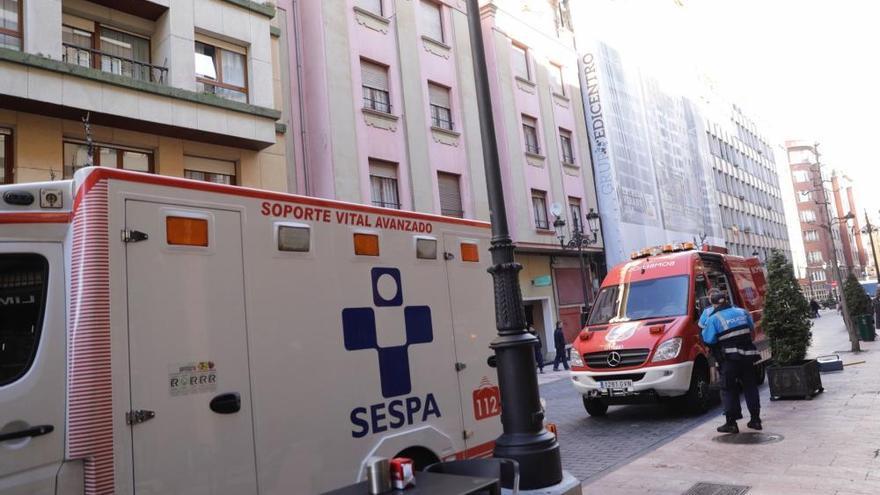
(831, 444)
(550, 376)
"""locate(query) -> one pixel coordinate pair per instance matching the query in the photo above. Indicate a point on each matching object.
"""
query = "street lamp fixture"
(579, 240)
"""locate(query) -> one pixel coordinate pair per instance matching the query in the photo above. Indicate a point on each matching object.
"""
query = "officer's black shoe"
(755, 424)
(729, 427)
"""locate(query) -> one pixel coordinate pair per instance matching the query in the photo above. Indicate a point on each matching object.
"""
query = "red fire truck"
(642, 340)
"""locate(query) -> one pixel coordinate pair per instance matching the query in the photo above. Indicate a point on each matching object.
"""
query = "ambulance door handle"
(226, 403)
(34, 431)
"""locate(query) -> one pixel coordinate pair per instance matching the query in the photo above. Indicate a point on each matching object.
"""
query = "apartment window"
(808, 216)
(801, 176)
(209, 170)
(530, 134)
(565, 143)
(374, 81)
(441, 115)
(450, 194)
(124, 54)
(104, 155)
(78, 44)
(520, 62)
(539, 208)
(383, 184)
(10, 24)
(557, 82)
(431, 19)
(818, 276)
(815, 256)
(90, 44)
(574, 207)
(374, 6)
(811, 235)
(221, 69)
(801, 156)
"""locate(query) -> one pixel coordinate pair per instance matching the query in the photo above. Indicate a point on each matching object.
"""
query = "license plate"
(616, 384)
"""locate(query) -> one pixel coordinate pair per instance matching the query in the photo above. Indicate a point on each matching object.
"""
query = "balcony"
(114, 64)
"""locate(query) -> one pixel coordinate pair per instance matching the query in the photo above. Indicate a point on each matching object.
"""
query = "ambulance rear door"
(473, 319)
(190, 417)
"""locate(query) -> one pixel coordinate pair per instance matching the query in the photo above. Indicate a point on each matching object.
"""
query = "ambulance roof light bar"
(665, 249)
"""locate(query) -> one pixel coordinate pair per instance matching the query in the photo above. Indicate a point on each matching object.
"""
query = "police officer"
(729, 332)
(559, 343)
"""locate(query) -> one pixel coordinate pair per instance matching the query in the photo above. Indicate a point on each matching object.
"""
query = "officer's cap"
(717, 297)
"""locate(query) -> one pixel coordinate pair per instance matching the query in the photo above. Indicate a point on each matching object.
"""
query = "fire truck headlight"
(575, 358)
(668, 350)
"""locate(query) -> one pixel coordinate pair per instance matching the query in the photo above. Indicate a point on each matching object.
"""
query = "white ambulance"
(161, 336)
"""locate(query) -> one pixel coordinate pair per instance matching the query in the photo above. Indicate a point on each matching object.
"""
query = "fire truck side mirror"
(492, 361)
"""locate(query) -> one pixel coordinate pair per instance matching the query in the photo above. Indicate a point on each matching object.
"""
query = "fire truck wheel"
(760, 373)
(595, 407)
(698, 399)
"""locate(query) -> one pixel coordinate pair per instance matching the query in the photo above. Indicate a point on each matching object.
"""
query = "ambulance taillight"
(185, 231)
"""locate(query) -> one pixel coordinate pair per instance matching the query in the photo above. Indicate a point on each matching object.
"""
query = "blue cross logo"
(359, 331)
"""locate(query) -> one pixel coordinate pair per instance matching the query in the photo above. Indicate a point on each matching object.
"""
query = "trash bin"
(865, 327)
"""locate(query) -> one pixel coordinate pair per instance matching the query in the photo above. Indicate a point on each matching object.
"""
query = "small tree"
(786, 313)
(857, 301)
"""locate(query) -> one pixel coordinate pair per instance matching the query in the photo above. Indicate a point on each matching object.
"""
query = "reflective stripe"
(736, 333)
(734, 350)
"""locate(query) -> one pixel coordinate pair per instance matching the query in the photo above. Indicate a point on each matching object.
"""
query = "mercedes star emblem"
(613, 359)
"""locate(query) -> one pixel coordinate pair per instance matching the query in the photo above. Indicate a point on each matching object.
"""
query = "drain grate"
(716, 489)
(750, 438)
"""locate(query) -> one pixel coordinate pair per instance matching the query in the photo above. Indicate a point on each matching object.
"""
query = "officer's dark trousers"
(561, 357)
(734, 373)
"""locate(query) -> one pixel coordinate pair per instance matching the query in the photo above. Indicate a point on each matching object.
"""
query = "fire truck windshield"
(640, 300)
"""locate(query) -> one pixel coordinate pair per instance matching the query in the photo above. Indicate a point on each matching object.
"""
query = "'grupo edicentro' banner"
(650, 159)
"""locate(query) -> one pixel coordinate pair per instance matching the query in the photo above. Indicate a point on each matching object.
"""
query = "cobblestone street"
(592, 447)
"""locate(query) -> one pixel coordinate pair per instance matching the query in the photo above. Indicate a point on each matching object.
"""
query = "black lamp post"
(870, 229)
(579, 240)
(524, 438)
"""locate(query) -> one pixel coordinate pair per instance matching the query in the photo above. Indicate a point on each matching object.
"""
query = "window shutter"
(438, 95)
(374, 75)
(431, 22)
(383, 169)
(209, 165)
(557, 80)
(450, 194)
(520, 62)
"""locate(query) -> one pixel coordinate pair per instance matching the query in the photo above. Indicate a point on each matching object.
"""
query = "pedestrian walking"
(814, 308)
(729, 333)
(875, 304)
(539, 349)
(559, 343)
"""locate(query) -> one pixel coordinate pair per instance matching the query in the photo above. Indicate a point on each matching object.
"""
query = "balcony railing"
(114, 64)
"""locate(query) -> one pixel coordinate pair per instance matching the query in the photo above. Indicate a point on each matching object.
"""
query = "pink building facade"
(385, 113)
(544, 151)
(384, 90)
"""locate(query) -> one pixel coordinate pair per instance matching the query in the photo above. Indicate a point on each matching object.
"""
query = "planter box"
(865, 327)
(798, 381)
